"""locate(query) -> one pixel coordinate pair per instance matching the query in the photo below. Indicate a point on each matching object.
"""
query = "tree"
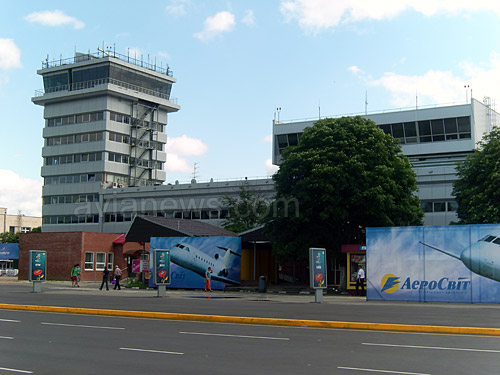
(247, 211)
(8, 237)
(477, 188)
(343, 176)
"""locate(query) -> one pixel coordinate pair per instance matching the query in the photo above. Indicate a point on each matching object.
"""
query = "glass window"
(293, 139)
(437, 127)
(110, 261)
(397, 131)
(282, 141)
(439, 206)
(410, 129)
(464, 125)
(100, 261)
(450, 125)
(89, 261)
(426, 206)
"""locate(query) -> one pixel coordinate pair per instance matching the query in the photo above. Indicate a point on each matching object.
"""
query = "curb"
(260, 321)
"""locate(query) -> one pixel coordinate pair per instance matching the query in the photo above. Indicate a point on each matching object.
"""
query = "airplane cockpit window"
(497, 240)
(488, 238)
(179, 246)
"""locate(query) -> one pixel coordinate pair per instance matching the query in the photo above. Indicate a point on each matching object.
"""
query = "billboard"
(456, 263)
(190, 258)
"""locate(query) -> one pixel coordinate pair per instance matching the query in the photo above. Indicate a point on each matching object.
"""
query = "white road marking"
(382, 371)
(151, 351)
(15, 370)
(6, 337)
(78, 325)
(241, 336)
(434, 348)
(10, 321)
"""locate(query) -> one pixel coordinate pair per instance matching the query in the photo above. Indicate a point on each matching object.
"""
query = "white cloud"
(270, 167)
(438, 87)
(10, 54)
(53, 19)
(18, 193)
(222, 22)
(268, 138)
(178, 148)
(249, 18)
(177, 8)
(314, 16)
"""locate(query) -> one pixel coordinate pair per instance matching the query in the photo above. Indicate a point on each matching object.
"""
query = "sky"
(241, 64)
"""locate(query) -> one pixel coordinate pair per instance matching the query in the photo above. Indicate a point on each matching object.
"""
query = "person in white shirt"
(360, 280)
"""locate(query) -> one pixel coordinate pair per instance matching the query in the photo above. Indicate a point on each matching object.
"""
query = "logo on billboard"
(390, 283)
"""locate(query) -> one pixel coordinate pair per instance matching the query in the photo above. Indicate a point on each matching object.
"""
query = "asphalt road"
(48, 343)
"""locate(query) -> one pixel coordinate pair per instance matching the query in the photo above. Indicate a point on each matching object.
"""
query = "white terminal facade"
(434, 139)
(104, 148)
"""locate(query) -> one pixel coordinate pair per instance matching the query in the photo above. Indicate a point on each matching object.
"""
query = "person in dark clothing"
(105, 277)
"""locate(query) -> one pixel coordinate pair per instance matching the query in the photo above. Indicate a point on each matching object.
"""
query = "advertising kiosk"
(356, 255)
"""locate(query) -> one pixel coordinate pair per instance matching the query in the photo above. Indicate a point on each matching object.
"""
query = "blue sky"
(236, 62)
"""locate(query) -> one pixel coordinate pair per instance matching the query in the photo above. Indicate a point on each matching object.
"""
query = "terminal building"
(105, 118)
(434, 139)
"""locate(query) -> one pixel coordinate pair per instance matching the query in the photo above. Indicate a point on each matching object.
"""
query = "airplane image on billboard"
(454, 263)
(191, 257)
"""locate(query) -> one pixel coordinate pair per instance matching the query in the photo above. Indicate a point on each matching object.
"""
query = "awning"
(119, 240)
(9, 251)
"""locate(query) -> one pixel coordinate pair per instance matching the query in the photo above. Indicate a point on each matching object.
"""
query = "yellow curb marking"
(260, 321)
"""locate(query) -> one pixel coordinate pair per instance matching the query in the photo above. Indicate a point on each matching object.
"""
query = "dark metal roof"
(145, 227)
(255, 235)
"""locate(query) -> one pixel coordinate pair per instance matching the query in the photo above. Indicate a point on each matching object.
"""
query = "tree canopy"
(477, 188)
(343, 176)
(247, 211)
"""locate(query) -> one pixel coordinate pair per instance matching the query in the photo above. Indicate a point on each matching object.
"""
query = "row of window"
(70, 219)
(74, 138)
(285, 140)
(74, 178)
(81, 118)
(72, 198)
(125, 159)
(76, 119)
(439, 206)
(73, 158)
(436, 130)
(100, 261)
(126, 119)
(187, 214)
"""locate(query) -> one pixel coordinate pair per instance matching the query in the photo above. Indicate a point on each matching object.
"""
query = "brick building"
(93, 251)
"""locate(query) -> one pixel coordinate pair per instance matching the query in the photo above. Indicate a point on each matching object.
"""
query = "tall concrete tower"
(105, 117)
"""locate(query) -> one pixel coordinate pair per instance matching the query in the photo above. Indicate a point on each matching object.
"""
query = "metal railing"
(100, 54)
(105, 81)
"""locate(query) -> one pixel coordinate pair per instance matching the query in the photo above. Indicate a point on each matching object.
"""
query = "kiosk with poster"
(356, 255)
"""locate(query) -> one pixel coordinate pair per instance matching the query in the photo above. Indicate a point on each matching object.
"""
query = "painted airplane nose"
(466, 257)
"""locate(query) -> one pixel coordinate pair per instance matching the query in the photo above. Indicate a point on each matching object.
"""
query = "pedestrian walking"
(208, 277)
(105, 277)
(360, 280)
(74, 276)
(118, 275)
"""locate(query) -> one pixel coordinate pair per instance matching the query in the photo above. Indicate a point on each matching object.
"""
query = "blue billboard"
(456, 263)
(190, 258)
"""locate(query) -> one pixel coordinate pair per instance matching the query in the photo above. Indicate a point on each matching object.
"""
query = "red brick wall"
(66, 249)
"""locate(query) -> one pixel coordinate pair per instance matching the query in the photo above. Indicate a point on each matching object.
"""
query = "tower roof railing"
(100, 54)
(102, 83)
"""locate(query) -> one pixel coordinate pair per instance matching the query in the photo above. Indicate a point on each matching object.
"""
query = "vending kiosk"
(356, 255)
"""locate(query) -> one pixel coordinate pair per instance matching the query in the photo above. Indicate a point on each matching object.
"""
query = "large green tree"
(343, 176)
(246, 211)
(477, 189)
(8, 237)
